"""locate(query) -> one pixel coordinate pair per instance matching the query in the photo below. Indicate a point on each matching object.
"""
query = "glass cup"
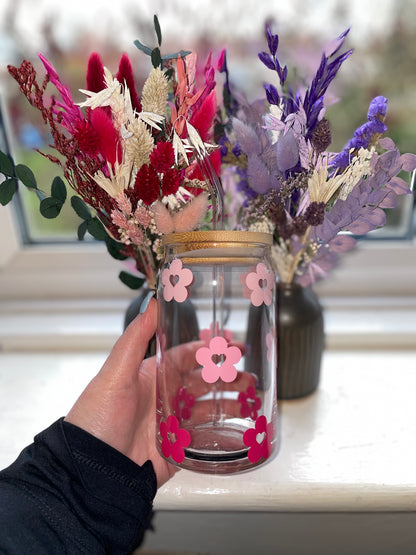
(216, 351)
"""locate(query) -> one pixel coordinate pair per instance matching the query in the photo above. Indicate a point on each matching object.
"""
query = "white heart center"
(260, 437)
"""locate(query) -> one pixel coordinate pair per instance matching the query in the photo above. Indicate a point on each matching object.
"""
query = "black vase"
(300, 340)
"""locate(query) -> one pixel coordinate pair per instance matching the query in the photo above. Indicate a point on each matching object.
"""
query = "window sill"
(95, 324)
(66, 325)
(343, 476)
(341, 450)
(344, 449)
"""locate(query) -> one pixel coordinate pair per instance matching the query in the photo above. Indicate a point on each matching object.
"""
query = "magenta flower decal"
(206, 334)
(182, 403)
(217, 350)
(250, 403)
(260, 285)
(174, 439)
(259, 439)
(176, 280)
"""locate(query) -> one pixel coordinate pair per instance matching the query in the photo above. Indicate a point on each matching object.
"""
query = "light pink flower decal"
(226, 370)
(259, 439)
(206, 334)
(250, 403)
(174, 439)
(243, 277)
(260, 283)
(176, 280)
(182, 403)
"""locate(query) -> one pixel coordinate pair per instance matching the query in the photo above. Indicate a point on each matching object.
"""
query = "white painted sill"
(346, 451)
(348, 447)
(95, 324)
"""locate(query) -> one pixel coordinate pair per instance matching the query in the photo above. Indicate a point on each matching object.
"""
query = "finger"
(241, 346)
(130, 349)
(181, 358)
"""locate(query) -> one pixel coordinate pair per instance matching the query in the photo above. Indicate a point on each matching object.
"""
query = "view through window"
(383, 63)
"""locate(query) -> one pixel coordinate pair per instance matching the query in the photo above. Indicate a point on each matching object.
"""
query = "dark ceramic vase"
(300, 340)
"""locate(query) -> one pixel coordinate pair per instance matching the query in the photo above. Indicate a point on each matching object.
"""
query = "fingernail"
(146, 302)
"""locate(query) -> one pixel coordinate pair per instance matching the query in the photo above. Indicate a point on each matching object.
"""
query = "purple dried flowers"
(366, 133)
(313, 99)
(311, 199)
(270, 60)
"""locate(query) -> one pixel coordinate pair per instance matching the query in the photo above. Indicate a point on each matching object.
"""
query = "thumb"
(129, 351)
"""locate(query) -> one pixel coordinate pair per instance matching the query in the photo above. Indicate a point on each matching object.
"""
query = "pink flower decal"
(260, 285)
(174, 439)
(207, 356)
(182, 403)
(206, 334)
(176, 280)
(259, 439)
(250, 403)
(243, 277)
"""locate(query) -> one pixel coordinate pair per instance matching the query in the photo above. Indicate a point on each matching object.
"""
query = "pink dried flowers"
(126, 154)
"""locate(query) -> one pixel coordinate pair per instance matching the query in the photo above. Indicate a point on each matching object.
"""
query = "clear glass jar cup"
(216, 351)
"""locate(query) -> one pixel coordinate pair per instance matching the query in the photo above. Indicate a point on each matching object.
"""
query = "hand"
(119, 404)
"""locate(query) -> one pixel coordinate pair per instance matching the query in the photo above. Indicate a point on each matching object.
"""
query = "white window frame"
(47, 271)
(69, 297)
(375, 269)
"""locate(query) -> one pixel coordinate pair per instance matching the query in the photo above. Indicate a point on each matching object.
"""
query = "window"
(51, 269)
(383, 265)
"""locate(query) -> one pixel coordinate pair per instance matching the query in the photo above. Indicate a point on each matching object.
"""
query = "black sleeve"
(70, 493)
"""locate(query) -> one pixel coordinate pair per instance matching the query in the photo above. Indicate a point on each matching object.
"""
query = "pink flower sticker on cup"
(249, 402)
(182, 403)
(207, 357)
(175, 280)
(243, 277)
(174, 439)
(259, 440)
(260, 284)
